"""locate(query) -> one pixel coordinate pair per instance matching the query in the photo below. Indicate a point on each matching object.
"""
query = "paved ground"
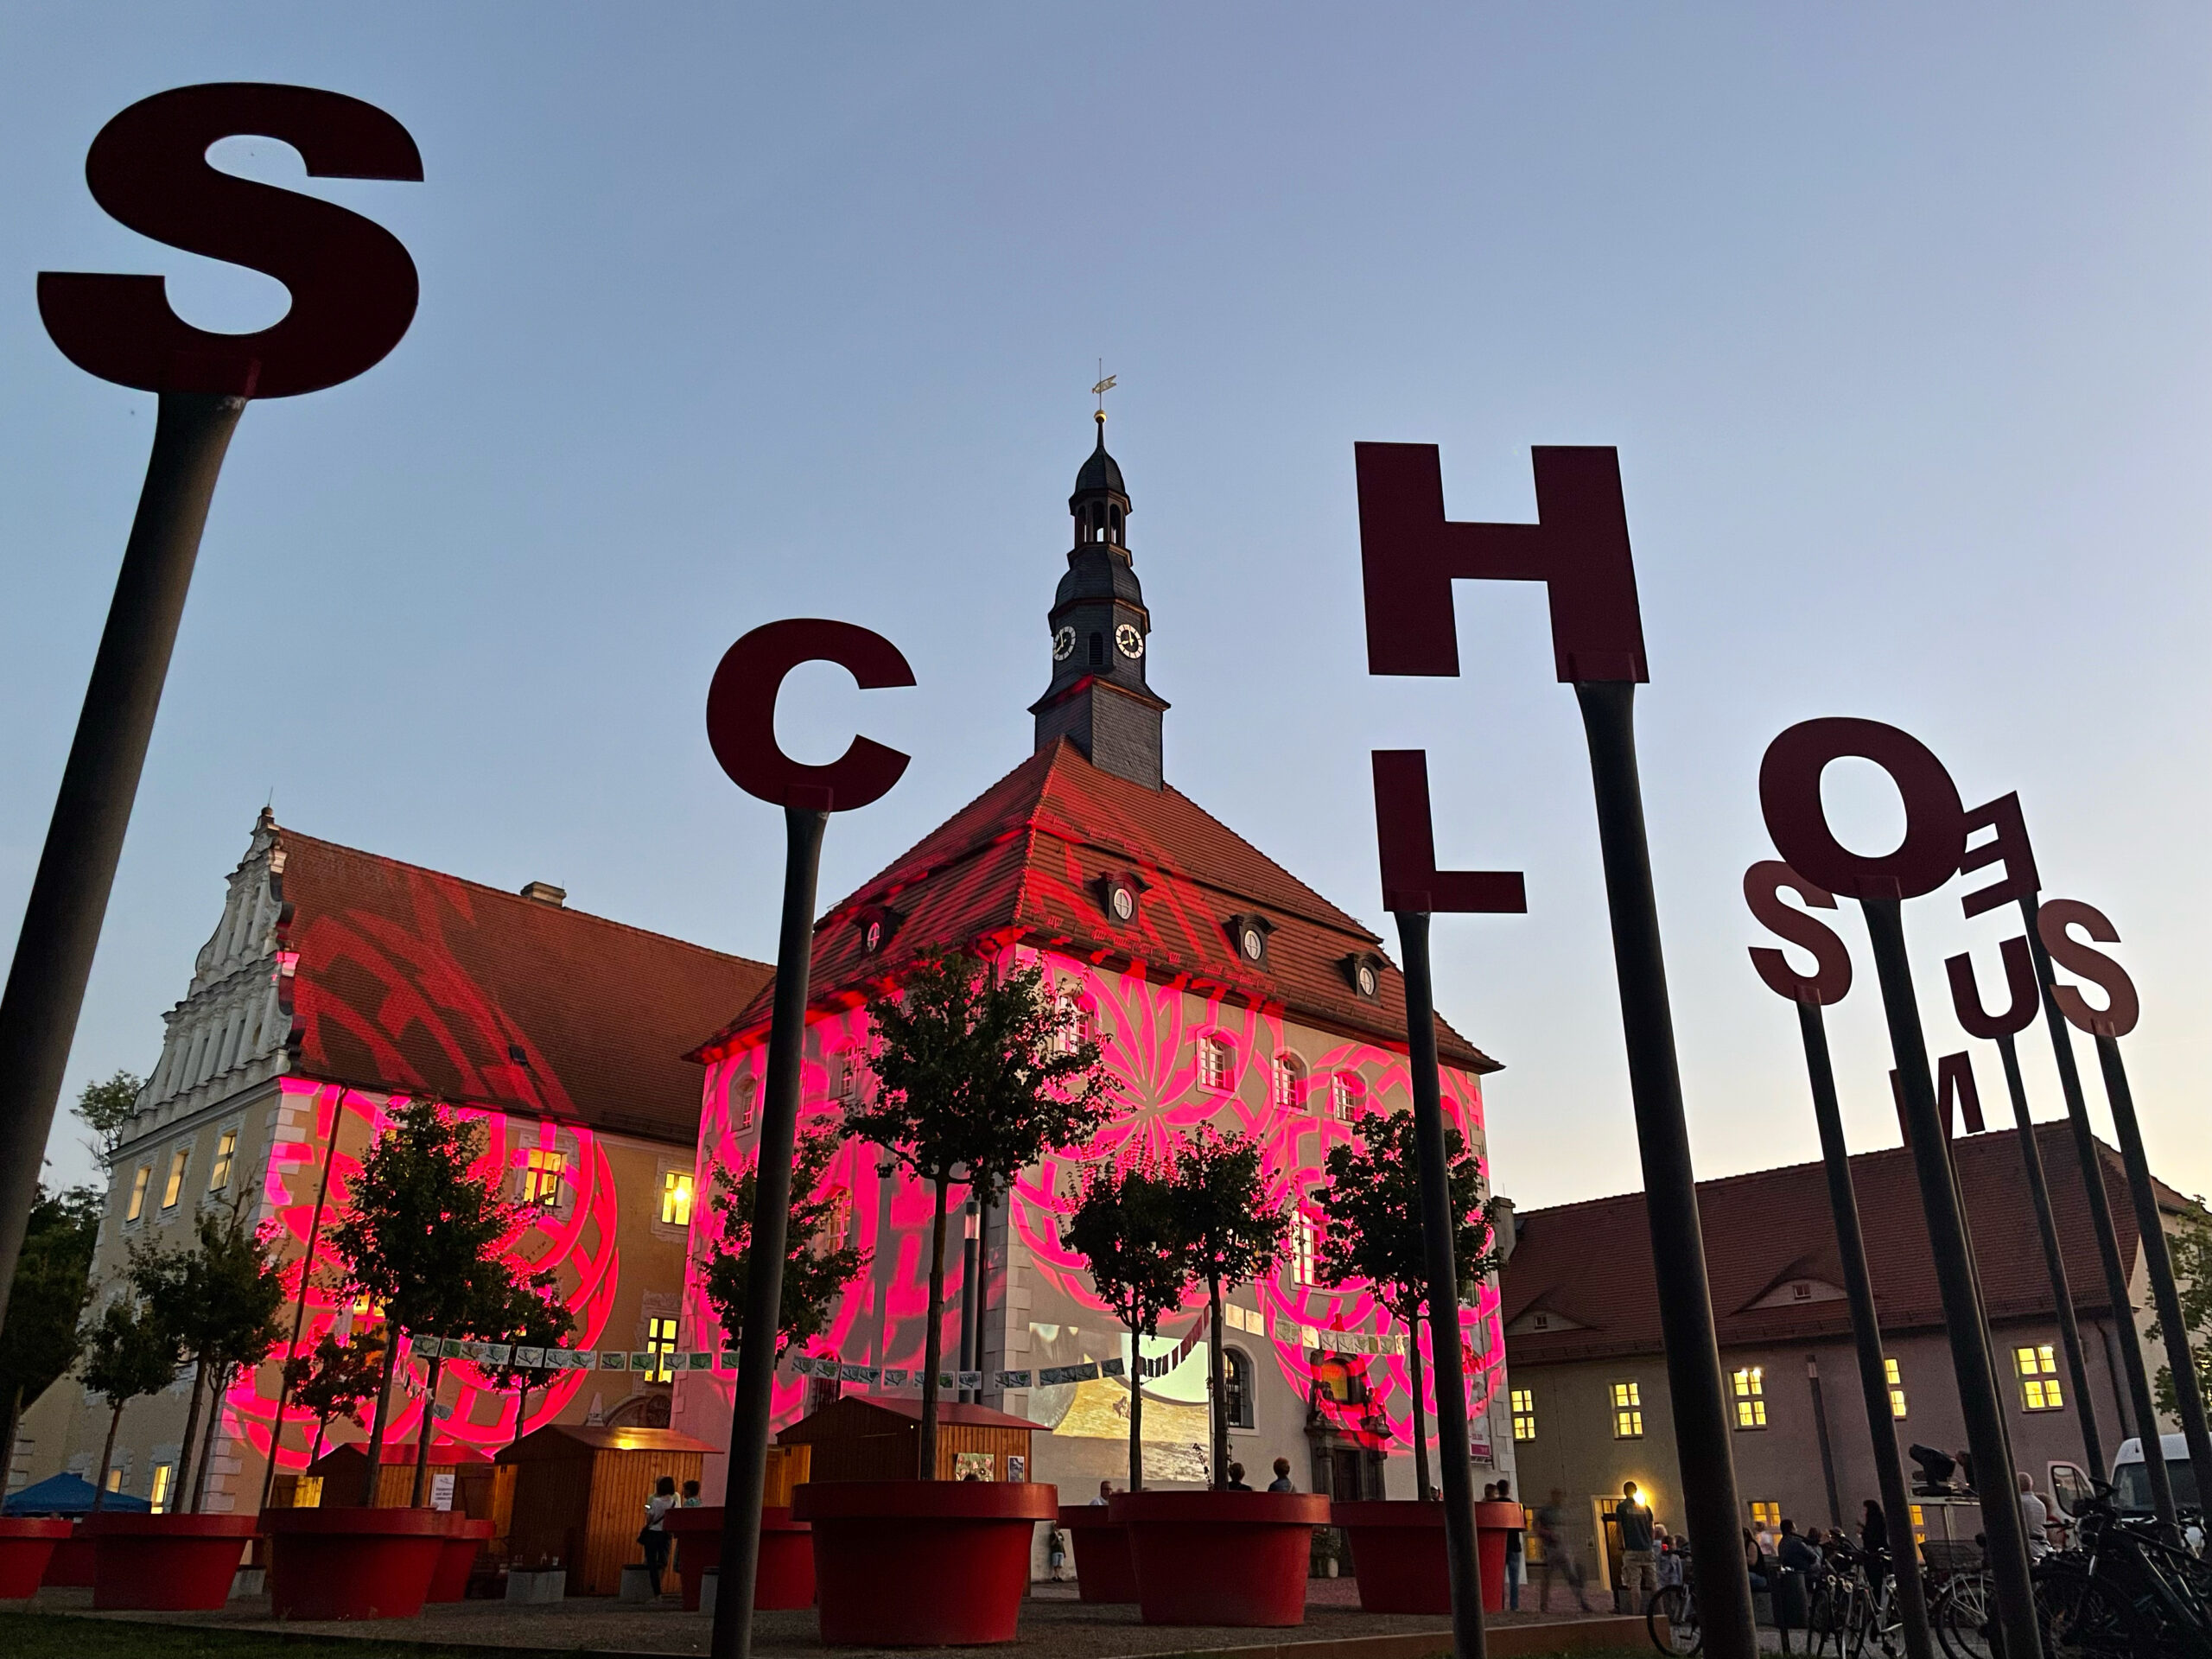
(1054, 1625)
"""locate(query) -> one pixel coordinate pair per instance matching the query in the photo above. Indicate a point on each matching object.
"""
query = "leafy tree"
(127, 1353)
(334, 1379)
(1233, 1236)
(817, 1266)
(1127, 1227)
(219, 1299)
(2189, 1243)
(53, 1278)
(424, 1237)
(534, 1316)
(107, 1108)
(981, 1075)
(1371, 1230)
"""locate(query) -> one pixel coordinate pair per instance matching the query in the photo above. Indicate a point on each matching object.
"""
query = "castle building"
(1223, 991)
(337, 984)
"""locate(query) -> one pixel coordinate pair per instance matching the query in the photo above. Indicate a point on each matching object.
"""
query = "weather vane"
(1105, 384)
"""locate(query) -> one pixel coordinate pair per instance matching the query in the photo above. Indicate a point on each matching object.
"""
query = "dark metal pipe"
(2093, 1188)
(1436, 1231)
(1702, 1433)
(971, 1297)
(1980, 1401)
(1865, 1333)
(84, 842)
(763, 1275)
(1821, 1433)
(2054, 1259)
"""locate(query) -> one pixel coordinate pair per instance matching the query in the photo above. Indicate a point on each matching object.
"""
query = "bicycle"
(1677, 1604)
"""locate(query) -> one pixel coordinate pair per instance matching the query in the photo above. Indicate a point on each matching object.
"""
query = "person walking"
(1515, 1566)
(652, 1534)
(1281, 1482)
(1551, 1520)
(1639, 1566)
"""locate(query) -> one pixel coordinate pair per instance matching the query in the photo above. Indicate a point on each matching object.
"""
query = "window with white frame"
(219, 1172)
(1343, 1096)
(675, 1198)
(172, 1188)
(139, 1183)
(543, 1168)
(660, 1343)
(1288, 1082)
(748, 1099)
(1215, 1063)
(1307, 1246)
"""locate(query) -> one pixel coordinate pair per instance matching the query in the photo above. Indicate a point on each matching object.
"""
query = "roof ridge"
(287, 836)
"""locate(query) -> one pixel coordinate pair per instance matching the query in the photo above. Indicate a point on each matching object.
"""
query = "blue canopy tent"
(67, 1495)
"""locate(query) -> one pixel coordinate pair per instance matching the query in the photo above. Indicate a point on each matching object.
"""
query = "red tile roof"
(409, 980)
(1591, 1262)
(1021, 861)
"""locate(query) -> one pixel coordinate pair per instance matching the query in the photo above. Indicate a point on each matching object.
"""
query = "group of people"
(654, 1534)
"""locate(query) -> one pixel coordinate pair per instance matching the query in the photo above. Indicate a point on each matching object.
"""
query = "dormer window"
(876, 925)
(1117, 896)
(1362, 971)
(1248, 937)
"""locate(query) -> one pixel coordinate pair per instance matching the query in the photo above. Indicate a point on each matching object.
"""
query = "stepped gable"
(1592, 1262)
(1020, 864)
(405, 980)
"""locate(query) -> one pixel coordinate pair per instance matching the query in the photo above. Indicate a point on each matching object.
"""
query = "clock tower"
(1098, 697)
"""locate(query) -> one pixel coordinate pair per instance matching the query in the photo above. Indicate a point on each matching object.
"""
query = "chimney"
(545, 893)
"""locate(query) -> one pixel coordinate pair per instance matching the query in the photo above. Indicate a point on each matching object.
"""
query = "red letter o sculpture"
(1789, 795)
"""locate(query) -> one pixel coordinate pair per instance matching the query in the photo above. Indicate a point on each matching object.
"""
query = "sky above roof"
(1900, 322)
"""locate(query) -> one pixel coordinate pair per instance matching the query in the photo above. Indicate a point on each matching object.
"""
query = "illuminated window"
(219, 1172)
(1768, 1515)
(307, 1494)
(1524, 1413)
(2039, 1390)
(115, 1478)
(1307, 1247)
(1627, 1411)
(159, 1494)
(1287, 1081)
(1750, 1398)
(675, 1198)
(1213, 1062)
(541, 1177)
(1896, 1388)
(1919, 1524)
(139, 1183)
(174, 1185)
(660, 1343)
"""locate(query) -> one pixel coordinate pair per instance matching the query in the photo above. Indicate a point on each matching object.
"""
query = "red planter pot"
(1492, 1522)
(354, 1563)
(464, 1543)
(166, 1563)
(1398, 1555)
(1103, 1571)
(922, 1563)
(784, 1577)
(26, 1546)
(74, 1562)
(1221, 1558)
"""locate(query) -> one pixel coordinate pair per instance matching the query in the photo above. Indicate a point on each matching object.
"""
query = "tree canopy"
(1231, 1235)
(1127, 1229)
(2189, 1243)
(816, 1266)
(106, 1109)
(53, 1278)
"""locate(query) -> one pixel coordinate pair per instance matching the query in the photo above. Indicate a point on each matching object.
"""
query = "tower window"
(1098, 650)
(1114, 525)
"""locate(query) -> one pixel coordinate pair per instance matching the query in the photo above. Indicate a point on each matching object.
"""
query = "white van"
(2131, 1479)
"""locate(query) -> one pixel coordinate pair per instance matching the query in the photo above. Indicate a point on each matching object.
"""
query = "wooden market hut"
(339, 1471)
(575, 1493)
(869, 1437)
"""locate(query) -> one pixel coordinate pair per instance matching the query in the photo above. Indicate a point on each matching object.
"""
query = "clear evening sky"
(1898, 315)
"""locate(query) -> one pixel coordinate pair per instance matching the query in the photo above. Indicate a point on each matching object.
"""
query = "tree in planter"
(53, 1278)
(535, 1317)
(127, 1354)
(1371, 1230)
(220, 1300)
(1233, 1236)
(981, 1075)
(1128, 1230)
(816, 1268)
(333, 1380)
(425, 1238)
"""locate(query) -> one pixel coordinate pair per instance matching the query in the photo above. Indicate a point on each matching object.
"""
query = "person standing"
(1281, 1482)
(2035, 1519)
(1516, 1568)
(1236, 1479)
(1639, 1566)
(652, 1534)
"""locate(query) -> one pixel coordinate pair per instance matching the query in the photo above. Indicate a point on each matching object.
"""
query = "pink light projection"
(1150, 1035)
(577, 1236)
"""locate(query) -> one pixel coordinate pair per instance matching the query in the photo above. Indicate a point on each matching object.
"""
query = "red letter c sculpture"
(742, 714)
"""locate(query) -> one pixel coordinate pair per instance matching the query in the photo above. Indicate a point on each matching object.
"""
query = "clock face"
(1366, 980)
(1128, 641)
(1125, 903)
(1064, 644)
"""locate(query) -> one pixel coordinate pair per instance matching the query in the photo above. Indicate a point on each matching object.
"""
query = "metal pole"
(1821, 1433)
(763, 1275)
(1436, 1231)
(1979, 1402)
(2188, 1399)
(2092, 1187)
(1702, 1435)
(68, 896)
(1865, 1333)
(2062, 1292)
(971, 1299)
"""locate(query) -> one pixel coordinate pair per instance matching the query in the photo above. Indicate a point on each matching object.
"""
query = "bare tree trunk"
(1136, 1411)
(522, 1409)
(314, 1452)
(422, 1435)
(375, 1455)
(926, 1443)
(1420, 1422)
(1217, 1382)
(218, 1386)
(180, 1494)
(107, 1458)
